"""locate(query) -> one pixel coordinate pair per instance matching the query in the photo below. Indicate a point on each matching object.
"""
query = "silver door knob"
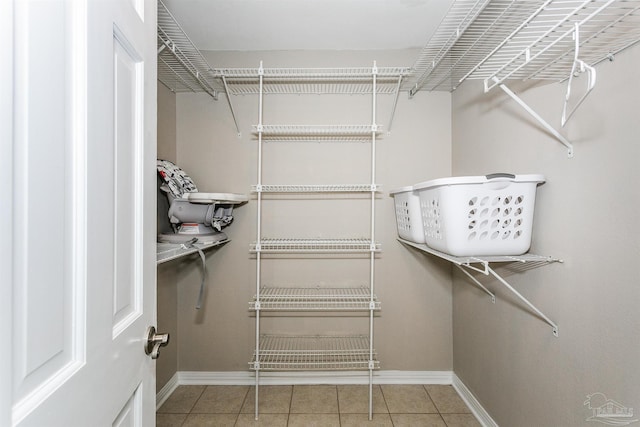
(154, 342)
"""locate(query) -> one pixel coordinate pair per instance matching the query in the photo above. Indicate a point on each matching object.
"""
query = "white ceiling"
(308, 24)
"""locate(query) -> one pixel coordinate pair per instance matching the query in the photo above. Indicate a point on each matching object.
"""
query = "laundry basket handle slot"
(500, 175)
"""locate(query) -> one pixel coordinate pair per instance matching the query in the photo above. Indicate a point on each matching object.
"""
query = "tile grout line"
(290, 404)
(196, 401)
(246, 395)
(338, 405)
(384, 399)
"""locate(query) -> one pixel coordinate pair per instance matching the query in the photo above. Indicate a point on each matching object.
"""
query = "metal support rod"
(373, 152)
(257, 351)
(233, 113)
(257, 381)
(372, 255)
(370, 394)
(524, 300)
(259, 235)
(564, 141)
(395, 104)
(480, 285)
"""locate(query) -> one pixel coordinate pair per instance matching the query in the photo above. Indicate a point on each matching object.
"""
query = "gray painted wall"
(586, 214)
(413, 330)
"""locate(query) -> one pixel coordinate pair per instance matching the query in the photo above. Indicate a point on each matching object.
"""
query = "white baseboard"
(166, 391)
(328, 377)
(478, 411)
(314, 377)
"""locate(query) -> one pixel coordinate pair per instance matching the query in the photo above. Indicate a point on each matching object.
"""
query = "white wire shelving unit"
(482, 264)
(181, 66)
(274, 353)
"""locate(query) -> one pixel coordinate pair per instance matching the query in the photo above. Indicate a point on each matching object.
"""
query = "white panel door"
(83, 212)
(6, 252)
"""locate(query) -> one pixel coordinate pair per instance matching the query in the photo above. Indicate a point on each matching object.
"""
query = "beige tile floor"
(316, 405)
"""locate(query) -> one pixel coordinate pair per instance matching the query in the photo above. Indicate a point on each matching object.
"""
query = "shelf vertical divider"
(259, 236)
(372, 254)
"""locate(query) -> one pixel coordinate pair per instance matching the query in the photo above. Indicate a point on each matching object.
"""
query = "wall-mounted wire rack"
(181, 66)
(505, 39)
(436, 62)
(482, 264)
(315, 299)
(169, 251)
(347, 80)
(491, 40)
(501, 40)
(294, 353)
(322, 81)
(478, 39)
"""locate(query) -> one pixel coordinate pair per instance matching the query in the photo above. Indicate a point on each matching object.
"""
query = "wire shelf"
(181, 66)
(481, 264)
(436, 54)
(484, 260)
(358, 133)
(509, 39)
(493, 40)
(313, 353)
(315, 246)
(315, 299)
(244, 81)
(169, 251)
(315, 188)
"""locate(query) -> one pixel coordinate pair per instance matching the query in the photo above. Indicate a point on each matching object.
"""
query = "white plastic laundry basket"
(408, 215)
(479, 215)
